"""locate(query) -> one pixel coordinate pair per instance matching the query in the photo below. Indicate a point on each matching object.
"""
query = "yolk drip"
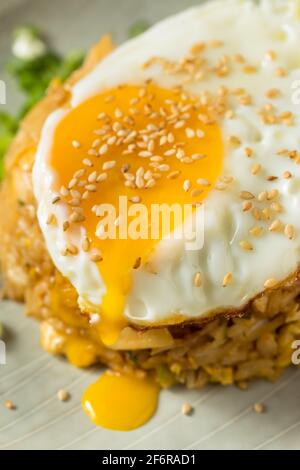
(120, 402)
(149, 144)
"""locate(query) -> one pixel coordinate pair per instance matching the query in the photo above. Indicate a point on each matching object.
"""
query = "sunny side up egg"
(198, 110)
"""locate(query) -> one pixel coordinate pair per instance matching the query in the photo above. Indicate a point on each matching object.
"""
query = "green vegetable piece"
(138, 28)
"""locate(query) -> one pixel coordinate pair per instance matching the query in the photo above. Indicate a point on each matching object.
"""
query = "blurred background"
(76, 24)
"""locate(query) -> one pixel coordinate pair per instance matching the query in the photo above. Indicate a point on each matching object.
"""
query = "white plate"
(223, 417)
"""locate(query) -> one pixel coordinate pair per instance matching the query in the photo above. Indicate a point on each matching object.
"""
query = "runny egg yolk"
(120, 402)
(146, 143)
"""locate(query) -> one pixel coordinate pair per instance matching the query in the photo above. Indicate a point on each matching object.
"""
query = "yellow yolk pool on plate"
(120, 402)
(147, 144)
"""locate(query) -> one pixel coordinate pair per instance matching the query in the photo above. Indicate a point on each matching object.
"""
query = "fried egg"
(198, 110)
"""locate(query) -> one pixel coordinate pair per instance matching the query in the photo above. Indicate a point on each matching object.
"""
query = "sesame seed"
(246, 195)
(112, 140)
(246, 245)
(129, 176)
(109, 99)
(170, 152)
(256, 213)
(273, 194)
(150, 183)
(116, 126)
(145, 154)
(102, 115)
(190, 133)
(186, 409)
(267, 213)
(247, 206)
(135, 199)
(179, 124)
(272, 178)
(96, 143)
(249, 69)
(63, 395)
(75, 202)
(262, 196)
(103, 149)
(198, 156)
(269, 283)
(150, 146)
(248, 151)
(187, 160)
(234, 141)
(55, 200)
(142, 92)
(197, 280)
(200, 134)
(86, 244)
(91, 188)
(277, 207)
(271, 55)
(216, 43)
(102, 177)
(92, 177)
(186, 185)
(76, 144)
(64, 191)
(163, 167)
(173, 175)
(140, 171)
(255, 169)
(108, 165)
(148, 175)
(79, 173)
(180, 153)
(9, 405)
(276, 226)
(139, 181)
(72, 249)
(96, 258)
(51, 219)
(259, 408)
(256, 231)
(66, 225)
(280, 72)
(289, 231)
(245, 100)
(130, 184)
(76, 194)
(118, 113)
(125, 168)
(87, 162)
(228, 278)
(203, 182)
(75, 217)
(220, 186)
(272, 93)
(137, 263)
(196, 192)
(73, 183)
(287, 175)
(163, 140)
